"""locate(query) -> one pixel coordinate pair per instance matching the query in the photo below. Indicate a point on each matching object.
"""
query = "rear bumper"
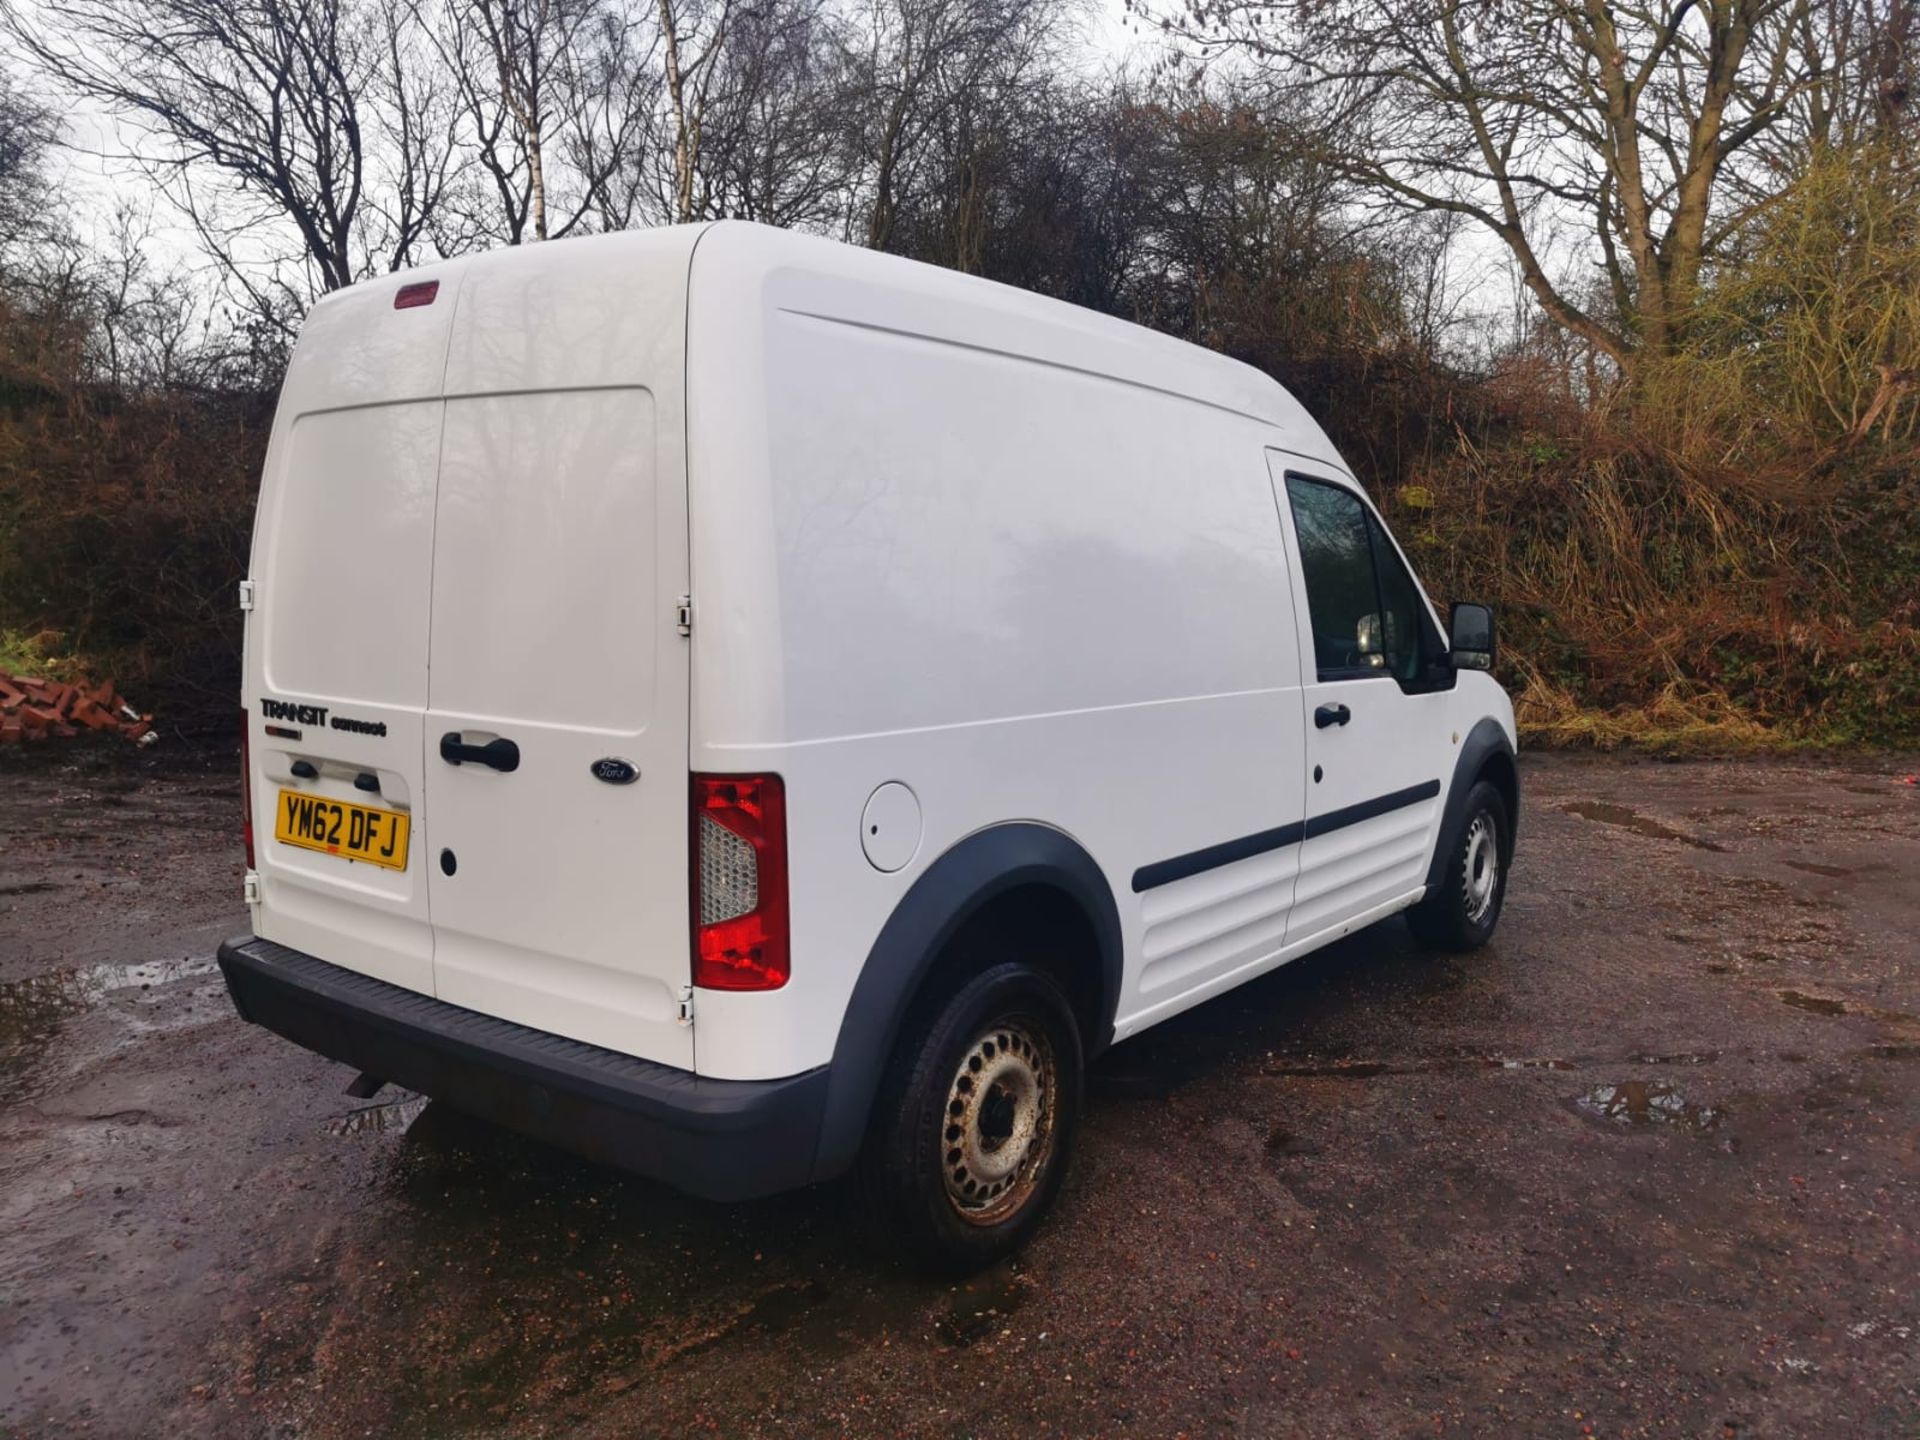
(719, 1139)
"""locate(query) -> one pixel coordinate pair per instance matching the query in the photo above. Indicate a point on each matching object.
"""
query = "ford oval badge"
(616, 771)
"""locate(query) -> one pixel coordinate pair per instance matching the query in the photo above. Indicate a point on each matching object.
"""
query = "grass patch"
(1681, 720)
(37, 655)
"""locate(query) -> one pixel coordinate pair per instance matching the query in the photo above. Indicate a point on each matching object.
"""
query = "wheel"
(975, 1119)
(1463, 909)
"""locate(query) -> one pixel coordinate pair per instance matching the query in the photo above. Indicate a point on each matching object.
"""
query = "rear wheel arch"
(1022, 879)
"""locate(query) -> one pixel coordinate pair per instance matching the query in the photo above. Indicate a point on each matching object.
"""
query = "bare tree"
(693, 35)
(1546, 121)
(554, 101)
(613, 87)
(922, 60)
(417, 125)
(254, 117)
(26, 134)
(775, 140)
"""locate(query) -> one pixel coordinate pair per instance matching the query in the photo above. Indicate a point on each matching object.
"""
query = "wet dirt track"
(1649, 1165)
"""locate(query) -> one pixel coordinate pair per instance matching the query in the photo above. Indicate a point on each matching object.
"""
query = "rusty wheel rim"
(1480, 875)
(997, 1132)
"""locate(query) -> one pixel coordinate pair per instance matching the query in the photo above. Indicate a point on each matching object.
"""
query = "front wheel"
(975, 1122)
(1465, 906)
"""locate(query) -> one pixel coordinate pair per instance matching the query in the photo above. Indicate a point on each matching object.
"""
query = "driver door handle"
(501, 754)
(1327, 715)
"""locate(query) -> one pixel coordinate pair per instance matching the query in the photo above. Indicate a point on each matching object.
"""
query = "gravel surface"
(1649, 1165)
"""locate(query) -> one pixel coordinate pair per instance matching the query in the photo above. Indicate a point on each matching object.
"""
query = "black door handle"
(501, 754)
(1323, 717)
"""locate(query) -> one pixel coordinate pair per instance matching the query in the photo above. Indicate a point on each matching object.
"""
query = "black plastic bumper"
(720, 1139)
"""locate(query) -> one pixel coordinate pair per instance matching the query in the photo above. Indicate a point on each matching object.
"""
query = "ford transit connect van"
(738, 705)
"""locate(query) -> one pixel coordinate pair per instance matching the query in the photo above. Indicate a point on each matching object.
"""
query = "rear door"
(555, 744)
(336, 646)
(1378, 748)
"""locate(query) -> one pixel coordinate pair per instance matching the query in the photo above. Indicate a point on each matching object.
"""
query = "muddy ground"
(1650, 1165)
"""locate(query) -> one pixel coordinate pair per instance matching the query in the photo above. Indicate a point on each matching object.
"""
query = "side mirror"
(1470, 636)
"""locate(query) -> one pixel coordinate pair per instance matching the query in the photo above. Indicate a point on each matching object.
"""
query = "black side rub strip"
(1165, 872)
(1194, 862)
(1367, 809)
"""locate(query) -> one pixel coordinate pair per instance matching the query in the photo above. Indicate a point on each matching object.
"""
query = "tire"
(1464, 908)
(941, 1161)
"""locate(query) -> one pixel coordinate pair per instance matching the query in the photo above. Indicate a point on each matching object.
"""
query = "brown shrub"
(124, 524)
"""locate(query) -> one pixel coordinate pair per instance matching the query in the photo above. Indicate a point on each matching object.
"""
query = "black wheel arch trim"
(984, 865)
(1486, 740)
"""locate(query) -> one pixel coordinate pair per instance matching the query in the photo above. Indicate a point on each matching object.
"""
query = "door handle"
(501, 754)
(1323, 717)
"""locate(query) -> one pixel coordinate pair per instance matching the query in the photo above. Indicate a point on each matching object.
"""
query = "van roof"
(755, 265)
(1008, 319)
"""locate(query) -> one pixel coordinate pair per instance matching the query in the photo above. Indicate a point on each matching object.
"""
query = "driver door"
(1377, 746)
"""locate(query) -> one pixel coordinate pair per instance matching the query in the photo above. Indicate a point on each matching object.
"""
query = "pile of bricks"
(33, 709)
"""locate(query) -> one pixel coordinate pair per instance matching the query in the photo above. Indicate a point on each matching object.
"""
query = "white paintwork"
(890, 827)
(959, 555)
(491, 539)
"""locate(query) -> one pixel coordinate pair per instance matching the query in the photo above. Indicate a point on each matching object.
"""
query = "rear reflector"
(246, 786)
(421, 293)
(739, 865)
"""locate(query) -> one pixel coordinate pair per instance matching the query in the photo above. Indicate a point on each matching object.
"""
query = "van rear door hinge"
(686, 1005)
(246, 594)
(683, 614)
(250, 887)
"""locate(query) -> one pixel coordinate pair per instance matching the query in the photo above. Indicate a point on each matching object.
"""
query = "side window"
(1363, 605)
(1400, 607)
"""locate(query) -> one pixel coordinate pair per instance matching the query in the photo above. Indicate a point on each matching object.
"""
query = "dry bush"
(1641, 604)
(1806, 344)
(124, 525)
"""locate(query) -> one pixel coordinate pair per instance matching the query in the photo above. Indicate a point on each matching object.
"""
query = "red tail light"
(739, 865)
(246, 786)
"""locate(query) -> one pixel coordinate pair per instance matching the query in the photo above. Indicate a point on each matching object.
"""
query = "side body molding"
(1485, 742)
(986, 864)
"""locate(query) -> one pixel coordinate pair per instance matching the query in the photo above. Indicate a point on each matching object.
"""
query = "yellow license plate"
(339, 827)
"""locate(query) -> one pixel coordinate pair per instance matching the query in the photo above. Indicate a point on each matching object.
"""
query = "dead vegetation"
(1695, 509)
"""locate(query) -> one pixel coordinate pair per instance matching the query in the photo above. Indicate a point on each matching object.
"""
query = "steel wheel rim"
(1480, 870)
(997, 1130)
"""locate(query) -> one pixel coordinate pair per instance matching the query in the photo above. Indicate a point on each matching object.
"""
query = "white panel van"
(737, 705)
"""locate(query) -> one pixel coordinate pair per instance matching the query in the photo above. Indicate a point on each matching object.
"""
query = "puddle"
(981, 1307)
(1643, 1104)
(1818, 1004)
(31, 1010)
(1678, 1057)
(391, 1118)
(1610, 814)
(1332, 1069)
(1831, 871)
(92, 983)
(1498, 1062)
(1829, 1005)
(28, 887)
